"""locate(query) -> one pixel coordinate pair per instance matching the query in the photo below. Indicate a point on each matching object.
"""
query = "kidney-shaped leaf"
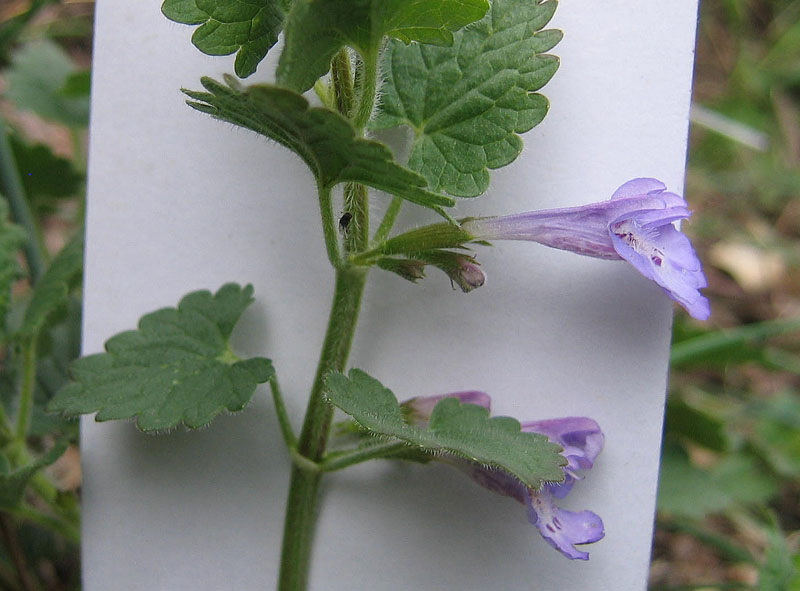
(177, 367)
(317, 29)
(247, 27)
(468, 103)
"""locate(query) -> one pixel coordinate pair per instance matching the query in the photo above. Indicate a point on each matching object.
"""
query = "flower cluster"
(581, 440)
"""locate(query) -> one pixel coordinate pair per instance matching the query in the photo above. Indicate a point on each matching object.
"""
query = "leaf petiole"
(376, 451)
(329, 226)
(382, 233)
(283, 417)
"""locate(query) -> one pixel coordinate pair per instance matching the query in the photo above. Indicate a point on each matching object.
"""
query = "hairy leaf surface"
(317, 29)
(463, 430)
(248, 28)
(325, 140)
(177, 367)
(468, 103)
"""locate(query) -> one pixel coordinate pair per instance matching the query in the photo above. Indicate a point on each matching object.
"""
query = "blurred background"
(729, 498)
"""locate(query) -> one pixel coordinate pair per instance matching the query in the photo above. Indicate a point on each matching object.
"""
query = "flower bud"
(410, 269)
(468, 275)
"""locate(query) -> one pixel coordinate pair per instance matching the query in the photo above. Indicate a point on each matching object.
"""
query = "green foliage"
(691, 423)
(78, 84)
(468, 103)
(324, 139)
(177, 367)
(463, 430)
(52, 290)
(777, 433)
(12, 237)
(39, 81)
(756, 85)
(781, 568)
(13, 483)
(43, 174)
(317, 29)
(743, 182)
(248, 28)
(685, 490)
(57, 347)
(723, 347)
(13, 28)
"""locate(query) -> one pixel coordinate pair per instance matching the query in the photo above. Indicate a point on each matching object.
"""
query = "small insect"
(344, 221)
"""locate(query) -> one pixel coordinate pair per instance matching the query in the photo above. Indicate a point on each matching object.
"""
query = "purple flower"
(582, 441)
(636, 225)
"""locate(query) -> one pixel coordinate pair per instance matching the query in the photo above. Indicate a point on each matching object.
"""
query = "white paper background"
(178, 202)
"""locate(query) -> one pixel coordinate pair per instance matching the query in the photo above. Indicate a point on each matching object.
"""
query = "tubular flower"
(581, 440)
(636, 225)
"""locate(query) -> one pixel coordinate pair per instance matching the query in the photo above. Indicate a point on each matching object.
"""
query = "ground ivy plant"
(463, 76)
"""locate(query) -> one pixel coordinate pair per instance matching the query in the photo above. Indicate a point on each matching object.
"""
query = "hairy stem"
(301, 506)
(355, 221)
(356, 228)
(367, 85)
(342, 80)
(329, 227)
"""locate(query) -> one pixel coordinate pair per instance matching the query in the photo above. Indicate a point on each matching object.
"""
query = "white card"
(179, 202)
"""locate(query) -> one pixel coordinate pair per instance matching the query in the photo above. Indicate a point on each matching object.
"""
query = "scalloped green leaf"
(468, 103)
(13, 484)
(317, 29)
(12, 238)
(248, 28)
(325, 140)
(463, 430)
(52, 290)
(177, 367)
